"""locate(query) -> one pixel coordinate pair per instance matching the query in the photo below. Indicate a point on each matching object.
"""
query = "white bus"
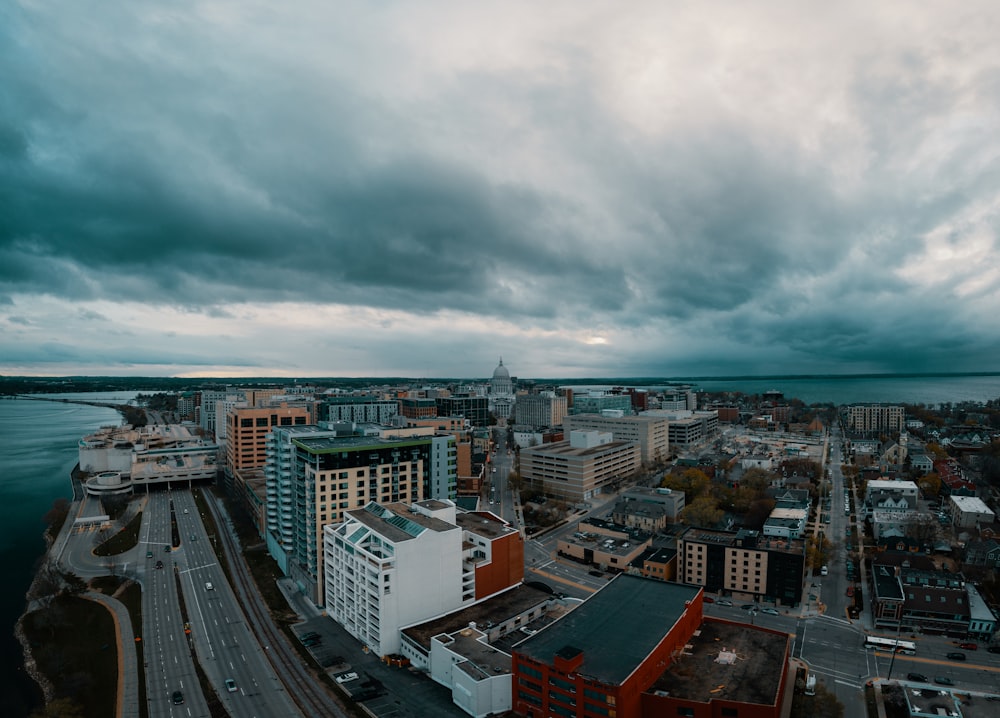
(889, 644)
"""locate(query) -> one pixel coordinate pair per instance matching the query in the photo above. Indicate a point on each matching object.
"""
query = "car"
(230, 685)
(850, 591)
(993, 649)
(956, 656)
(166, 549)
(178, 698)
(943, 681)
(708, 599)
(159, 564)
(770, 611)
(193, 537)
(916, 677)
(209, 586)
(346, 677)
(185, 510)
(824, 571)
(599, 574)
(968, 646)
(748, 606)
(310, 634)
(149, 554)
(724, 602)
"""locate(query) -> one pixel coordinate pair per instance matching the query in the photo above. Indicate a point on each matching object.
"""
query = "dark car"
(159, 564)
(956, 656)
(178, 698)
(943, 681)
(968, 646)
(917, 677)
(994, 649)
(708, 599)
(748, 606)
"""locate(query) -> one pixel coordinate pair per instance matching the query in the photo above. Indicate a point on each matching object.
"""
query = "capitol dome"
(501, 371)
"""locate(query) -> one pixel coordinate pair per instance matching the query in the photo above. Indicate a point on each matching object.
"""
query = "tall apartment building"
(389, 566)
(539, 410)
(360, 409)
(742, 562)
(330, 473)
(874, 418)
(247, 429)
(575, 470)
(649, 432)
(473, 407)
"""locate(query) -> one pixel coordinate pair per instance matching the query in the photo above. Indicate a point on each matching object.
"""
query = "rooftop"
(728, 661)
(491, 612)
(616, 628)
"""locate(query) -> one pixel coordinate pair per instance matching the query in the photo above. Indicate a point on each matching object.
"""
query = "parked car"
(968, 646)
(708, 599)
(724, 602)
(345, 677)
(956, 656)
(916, 677)
(770, 611)
(994, 649)
(748, 606)
(943, 681)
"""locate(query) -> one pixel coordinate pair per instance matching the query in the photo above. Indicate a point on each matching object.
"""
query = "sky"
(587, 189)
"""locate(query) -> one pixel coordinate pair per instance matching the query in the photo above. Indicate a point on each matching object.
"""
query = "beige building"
(539, 410)
(587, 464)
(871, 418)
(247, 429)
(742, 563)
(649, 432)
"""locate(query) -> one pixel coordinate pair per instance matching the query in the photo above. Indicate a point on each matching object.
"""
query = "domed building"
(501, 397)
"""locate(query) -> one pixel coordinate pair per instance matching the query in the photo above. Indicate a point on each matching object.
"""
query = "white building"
(390, 566)
(894, 495)
(969, 511)
(787, 523)
(501, 393)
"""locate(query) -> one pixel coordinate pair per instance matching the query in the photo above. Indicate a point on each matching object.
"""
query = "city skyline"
(417, 189)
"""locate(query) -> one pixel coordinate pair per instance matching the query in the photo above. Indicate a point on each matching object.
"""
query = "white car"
(346, 677)
(770, 611)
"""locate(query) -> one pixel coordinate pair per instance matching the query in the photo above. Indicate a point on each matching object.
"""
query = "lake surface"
(37, 454)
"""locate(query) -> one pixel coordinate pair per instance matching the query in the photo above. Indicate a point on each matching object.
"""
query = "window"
(262, 421)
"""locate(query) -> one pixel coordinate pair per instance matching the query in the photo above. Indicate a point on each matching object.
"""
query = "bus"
(889, 644)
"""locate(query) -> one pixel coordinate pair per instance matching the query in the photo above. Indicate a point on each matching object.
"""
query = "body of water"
(37, 454)
(930, 390)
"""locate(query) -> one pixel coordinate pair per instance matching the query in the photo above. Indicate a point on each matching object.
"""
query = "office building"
(589, 463)
(649, 432)
(539, 410)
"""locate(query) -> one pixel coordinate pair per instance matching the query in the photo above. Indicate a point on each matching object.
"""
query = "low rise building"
(650, 510)
(586, 465)
(969, 511)
(649, 432)
(743, 562)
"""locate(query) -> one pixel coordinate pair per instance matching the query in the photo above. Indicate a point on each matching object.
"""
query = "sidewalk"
(128, 679)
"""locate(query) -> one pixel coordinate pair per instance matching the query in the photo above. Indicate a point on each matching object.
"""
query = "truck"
(811, 685)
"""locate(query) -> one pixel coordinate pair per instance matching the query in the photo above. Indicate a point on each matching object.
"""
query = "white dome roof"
(501, 372)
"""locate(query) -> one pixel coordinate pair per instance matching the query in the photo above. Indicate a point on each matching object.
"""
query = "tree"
(692, 482)
(921, 528)
(930, 484)
(757, 481)
(703, 512)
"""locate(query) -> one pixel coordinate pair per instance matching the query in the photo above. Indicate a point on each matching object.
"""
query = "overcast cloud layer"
(586, 188)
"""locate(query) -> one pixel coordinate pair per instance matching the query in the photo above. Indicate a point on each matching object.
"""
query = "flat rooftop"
(491, 612)
(728, 661)
(616, 628)
(483, 523)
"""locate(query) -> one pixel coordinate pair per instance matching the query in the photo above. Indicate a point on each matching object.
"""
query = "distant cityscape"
(545, 548)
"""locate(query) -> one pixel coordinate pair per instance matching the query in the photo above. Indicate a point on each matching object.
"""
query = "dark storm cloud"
(634, 192)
